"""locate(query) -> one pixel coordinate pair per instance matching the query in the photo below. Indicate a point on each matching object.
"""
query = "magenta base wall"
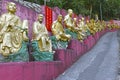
(30, 70)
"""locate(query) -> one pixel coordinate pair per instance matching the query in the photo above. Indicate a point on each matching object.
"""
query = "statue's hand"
(11, 24)
(61, 33)
(39, 36)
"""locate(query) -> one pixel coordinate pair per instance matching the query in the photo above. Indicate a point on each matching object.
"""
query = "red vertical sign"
(48, 19)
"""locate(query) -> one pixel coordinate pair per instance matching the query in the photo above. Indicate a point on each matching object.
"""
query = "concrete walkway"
(101, 63)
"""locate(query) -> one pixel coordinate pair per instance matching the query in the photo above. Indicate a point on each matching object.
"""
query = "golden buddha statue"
(117, 26)
(98, 26)
(69, 21)
(81, 30)
(81, 36)
(92, 26)
(109, 26)
(11, 31)
(75, 22)
(41, 35)
(58, 30)
(103, 25)
(81, 23)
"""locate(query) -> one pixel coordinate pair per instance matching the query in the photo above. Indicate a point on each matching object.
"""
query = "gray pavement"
(101, 63)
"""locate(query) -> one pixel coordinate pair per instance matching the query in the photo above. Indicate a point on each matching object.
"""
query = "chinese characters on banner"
(48, 17)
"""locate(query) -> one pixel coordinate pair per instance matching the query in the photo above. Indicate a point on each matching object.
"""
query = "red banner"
(48, 18)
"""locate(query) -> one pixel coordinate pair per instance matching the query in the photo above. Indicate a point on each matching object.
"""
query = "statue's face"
(70, 12)
(79, 20)
(83, 19)
(75, 19)
(12, 7)
(40, 18)
(87, 21)
(59, 18)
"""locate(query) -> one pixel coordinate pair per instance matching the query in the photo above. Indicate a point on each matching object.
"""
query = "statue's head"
(87, 21)
(11, 7)
(75, 19)
(92, 20)
(70, 12)
(40, 18)
(59, 18)
(79, 20)
(82, 18)
(96, 15)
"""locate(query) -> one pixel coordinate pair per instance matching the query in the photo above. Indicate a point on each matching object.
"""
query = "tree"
(110, 8)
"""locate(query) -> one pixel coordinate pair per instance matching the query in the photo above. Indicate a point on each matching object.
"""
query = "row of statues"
(14, 34)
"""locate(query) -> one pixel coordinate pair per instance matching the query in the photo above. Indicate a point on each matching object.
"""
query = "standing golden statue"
(58, 30)
(41, 35)
(11, 31)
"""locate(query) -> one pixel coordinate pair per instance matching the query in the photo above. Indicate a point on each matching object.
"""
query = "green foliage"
(110, 8)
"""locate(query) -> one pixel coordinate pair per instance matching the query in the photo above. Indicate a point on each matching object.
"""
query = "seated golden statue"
(109, 26)
(58, 30)
(41, 35)
(11, 31)
(81, 30)
(98, 26)
(117, 26)
(81, 23)
(92, 26)
(81, 36)
(103, 23)
(75, 22)
(68, 20)
(81, 26)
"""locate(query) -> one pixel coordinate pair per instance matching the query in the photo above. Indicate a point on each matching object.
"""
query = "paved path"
(101, 63)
